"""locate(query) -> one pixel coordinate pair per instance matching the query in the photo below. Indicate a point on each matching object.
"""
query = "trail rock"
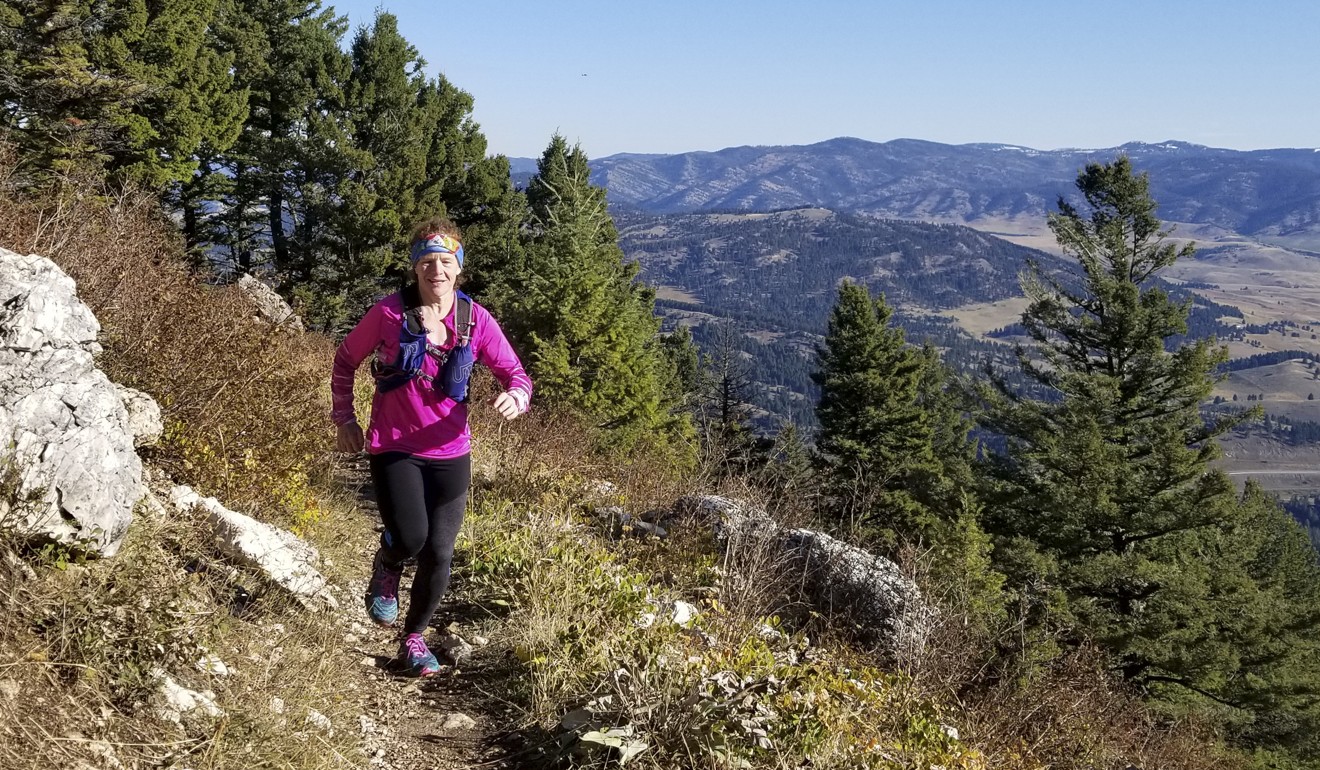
(269, 306)
(455, 648)
(180, 700)
(62, 417)
(285, 558)
(729, 519)
(885, 605)
(683, 614)
(458, 721)
(319, 721)
(211, 664)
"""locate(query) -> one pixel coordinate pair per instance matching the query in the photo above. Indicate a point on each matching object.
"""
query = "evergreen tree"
(685, 357)
(1107, 489)
(589, 327)
(293, 149)
(725, 421)
(875, 440)
(130, 87)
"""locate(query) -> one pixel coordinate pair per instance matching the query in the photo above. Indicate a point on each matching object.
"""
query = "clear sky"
(680, 75)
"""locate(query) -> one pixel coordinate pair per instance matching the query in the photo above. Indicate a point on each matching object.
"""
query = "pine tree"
(60, 111)
(724, 416)
(126, 87)
(875, 439)
(589, 327)
(293, 149)
(1109, 481)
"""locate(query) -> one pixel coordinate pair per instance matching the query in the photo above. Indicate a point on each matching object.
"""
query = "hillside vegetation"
(1081, 588)
(561, 596)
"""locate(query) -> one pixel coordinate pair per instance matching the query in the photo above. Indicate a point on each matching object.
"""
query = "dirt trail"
(456, 719)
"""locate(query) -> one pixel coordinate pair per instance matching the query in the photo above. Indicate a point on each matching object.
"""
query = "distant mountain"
(775, 275)
(1261, 193)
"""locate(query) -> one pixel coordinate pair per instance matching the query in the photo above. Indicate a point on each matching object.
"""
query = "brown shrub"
(245, 404)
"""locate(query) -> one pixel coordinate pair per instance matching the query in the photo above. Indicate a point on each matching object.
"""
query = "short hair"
(436, 225)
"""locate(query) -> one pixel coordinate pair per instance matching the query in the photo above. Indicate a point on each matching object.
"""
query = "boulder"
(287, 560)
(269, 306)
(63, 427)
(869, 591)
(885, 607)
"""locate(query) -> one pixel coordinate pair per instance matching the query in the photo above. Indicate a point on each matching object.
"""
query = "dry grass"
(241, 421)
(78, 641)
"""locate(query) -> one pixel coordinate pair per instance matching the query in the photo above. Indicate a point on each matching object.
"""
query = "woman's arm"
(495, 353)
(360, 343)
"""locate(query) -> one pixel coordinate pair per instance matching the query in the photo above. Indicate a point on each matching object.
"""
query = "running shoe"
(416, 657)
(383, 592)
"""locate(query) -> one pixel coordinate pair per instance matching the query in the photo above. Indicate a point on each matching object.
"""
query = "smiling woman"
(425, 340)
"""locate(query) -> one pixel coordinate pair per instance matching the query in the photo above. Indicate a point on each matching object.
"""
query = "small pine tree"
(875, 440)
(588, 326)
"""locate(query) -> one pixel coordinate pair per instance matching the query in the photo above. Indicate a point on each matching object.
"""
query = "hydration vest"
(455, 363)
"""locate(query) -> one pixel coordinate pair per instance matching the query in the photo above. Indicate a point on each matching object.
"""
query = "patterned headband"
(437, 243)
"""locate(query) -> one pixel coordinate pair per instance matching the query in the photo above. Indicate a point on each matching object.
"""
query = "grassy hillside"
(583, 662)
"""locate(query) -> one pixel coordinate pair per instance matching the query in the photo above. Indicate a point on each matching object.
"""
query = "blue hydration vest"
(455, 363)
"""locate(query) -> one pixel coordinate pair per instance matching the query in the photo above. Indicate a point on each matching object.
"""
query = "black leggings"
(421, 502)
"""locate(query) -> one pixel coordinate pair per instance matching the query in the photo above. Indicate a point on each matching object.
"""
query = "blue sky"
(678, 76)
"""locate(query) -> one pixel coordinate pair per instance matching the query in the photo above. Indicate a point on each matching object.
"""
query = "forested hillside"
(985, 556)
(772, 274)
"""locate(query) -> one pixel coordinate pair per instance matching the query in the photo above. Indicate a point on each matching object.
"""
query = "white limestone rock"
(62, 423)
(180, 700)
(269, 306)
(287, 560)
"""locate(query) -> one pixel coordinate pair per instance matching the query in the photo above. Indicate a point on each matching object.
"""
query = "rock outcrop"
(882, 602)
(65, 436)
(270, 307)
(879, 601)
(287, 561)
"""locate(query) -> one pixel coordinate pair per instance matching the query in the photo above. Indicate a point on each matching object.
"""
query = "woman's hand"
(507, 406)
(349, 438)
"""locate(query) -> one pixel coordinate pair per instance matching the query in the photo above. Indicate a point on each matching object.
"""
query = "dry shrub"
(244, 417)
(1075, 714)
(1045, 706)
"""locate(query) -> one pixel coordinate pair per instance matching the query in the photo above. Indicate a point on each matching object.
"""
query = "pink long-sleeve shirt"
(415, 418)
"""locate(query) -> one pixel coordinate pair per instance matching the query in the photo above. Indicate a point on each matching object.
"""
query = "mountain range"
(1271, 195)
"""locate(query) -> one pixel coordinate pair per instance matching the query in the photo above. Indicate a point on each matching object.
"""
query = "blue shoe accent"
(383, 593)
(417, 658)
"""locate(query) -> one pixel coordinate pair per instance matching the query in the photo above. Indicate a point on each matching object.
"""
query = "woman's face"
(436, 272)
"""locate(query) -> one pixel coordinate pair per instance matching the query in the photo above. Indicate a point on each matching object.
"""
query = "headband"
(437, 243)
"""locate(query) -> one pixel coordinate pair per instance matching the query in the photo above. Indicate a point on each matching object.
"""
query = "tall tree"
(875, 437)
(125, 86)
(589, 325)
(293, 147)
(1109, 480)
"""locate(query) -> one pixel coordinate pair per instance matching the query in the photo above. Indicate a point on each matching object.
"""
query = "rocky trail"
(460, 718)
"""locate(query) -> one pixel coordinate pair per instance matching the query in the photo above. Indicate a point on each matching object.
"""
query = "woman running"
(426, 339)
